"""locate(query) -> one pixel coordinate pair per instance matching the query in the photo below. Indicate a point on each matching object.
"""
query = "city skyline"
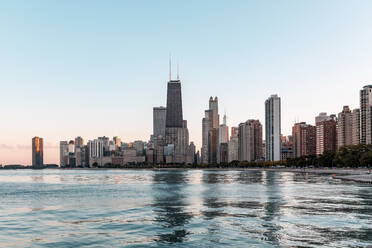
(57, 86)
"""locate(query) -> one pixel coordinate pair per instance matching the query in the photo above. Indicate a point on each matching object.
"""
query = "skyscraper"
(233, 145)
(159, 119)
(326, 135)
(344, 128)
(213, 106)
(174, 117)
(223, 132)
(304, 139)
(366, 115)
(206, 125)
(96, 148)
(250, 141)
(63, 153)
(37, 152)
(273, 128)
(176, 132)
(210, 125)
(222, 139)
(355, 131)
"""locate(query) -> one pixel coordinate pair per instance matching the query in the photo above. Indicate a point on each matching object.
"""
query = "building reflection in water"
(213, 203)
(211, 195)
(170, 206)
(272, 209)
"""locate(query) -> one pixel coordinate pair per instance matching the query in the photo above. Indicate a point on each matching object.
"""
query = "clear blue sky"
(95, 68)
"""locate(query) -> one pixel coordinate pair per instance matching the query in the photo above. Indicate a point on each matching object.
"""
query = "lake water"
(181, 208)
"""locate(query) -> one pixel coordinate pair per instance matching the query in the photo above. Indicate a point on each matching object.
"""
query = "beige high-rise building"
(344, 127)
(233, 145)
(63, 153)
(355, 131)
(210, 125)
(250, 141)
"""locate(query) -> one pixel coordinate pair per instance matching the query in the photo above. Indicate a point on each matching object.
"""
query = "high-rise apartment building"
(355, 131)
(304, 139)
(96, 148)
(37, 152)
(321, 117)
(273, 128)
(233, 146)
(366, 115)
(250, 141)
(63, 153)
(159, 119)
(326, 135)
(344, 128)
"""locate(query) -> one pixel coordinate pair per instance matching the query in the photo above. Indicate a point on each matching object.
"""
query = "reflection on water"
(169, 206)
(181, 208)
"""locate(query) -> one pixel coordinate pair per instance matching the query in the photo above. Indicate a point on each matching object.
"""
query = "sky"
(94, 68)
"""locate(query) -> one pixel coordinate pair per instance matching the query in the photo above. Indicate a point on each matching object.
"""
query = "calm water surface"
(194, 208)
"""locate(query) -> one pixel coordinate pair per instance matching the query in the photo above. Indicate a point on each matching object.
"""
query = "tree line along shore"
(356, 156)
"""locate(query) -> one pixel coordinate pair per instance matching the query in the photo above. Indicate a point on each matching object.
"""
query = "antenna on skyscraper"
(170, 66)
(178, 71)
(224, 117)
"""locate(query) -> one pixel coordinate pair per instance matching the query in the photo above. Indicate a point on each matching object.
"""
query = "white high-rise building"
(273, 128)
(222, 137)
(96, 148)
(344, 128)
(223, 132)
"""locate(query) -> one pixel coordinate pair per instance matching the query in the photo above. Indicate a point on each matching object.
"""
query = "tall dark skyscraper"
(37, 152)
(174, 104)
(176, 132)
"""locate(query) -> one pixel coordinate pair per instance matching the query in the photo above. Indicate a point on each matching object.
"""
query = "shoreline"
(346, 171)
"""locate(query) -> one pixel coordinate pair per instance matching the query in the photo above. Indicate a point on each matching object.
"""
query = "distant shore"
(329, 170)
